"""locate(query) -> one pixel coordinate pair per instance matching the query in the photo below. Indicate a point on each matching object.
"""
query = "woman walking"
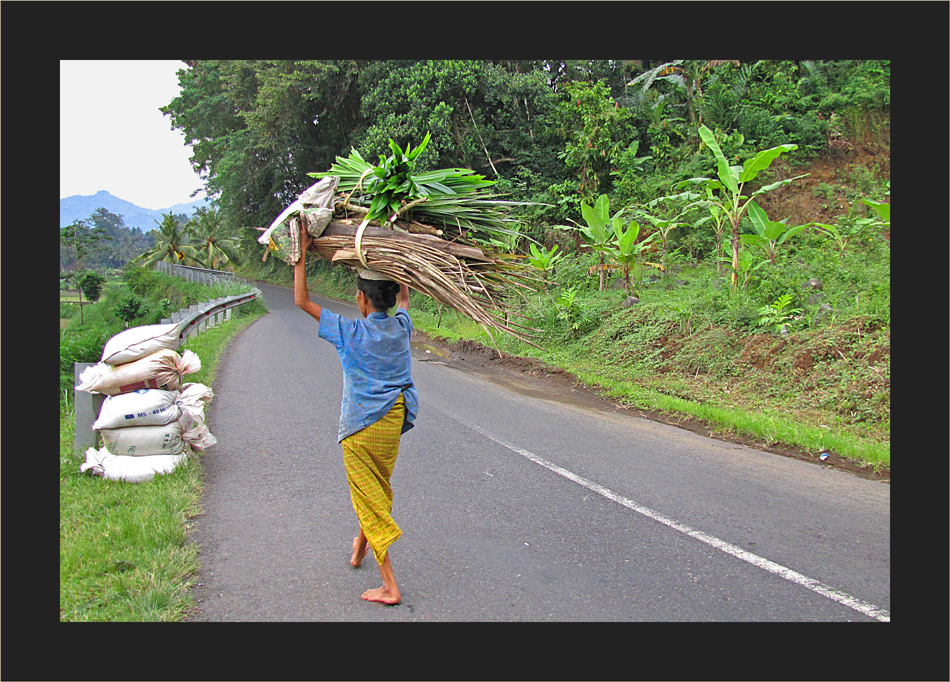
(379, 405)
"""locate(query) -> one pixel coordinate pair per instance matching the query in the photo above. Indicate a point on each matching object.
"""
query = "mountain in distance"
(80, 207)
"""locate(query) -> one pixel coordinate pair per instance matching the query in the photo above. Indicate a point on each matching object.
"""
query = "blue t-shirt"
(375, 356)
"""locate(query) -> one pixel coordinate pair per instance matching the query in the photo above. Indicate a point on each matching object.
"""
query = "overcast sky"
(113, 136)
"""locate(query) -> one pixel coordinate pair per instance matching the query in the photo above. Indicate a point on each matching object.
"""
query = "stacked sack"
(149, 420)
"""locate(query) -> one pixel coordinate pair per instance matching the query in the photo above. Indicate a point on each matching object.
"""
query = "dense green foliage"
(554, 131)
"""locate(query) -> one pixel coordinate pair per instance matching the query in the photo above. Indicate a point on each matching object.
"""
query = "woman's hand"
(301, 294)
(402, 298)
(305, 240)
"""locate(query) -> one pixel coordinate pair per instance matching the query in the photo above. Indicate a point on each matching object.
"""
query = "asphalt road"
(514, 507)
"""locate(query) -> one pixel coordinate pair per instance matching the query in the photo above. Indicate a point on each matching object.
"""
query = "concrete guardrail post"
(85, 412)
(183, 314)
(219, 313)
(203, 325)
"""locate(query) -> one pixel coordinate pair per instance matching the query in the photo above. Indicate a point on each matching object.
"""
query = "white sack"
(145, 407)
(153, 407)
(142, 441)
(133, 469)
(193, 399)
(162, 369)
(314, 207)
(320, 193)
(138, 342)
(166, 439)
(199, 437)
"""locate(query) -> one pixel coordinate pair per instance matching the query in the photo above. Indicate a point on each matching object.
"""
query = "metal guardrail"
(193, 274)
(199, 317)
(192, 321)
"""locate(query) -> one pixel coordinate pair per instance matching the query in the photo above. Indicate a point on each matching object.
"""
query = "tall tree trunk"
(458, 140)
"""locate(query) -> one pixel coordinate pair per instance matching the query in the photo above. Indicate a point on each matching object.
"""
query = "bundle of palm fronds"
(387, 219)
(478, 283)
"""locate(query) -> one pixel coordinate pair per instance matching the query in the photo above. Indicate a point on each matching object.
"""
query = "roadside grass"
(124, 549)
(771, 426)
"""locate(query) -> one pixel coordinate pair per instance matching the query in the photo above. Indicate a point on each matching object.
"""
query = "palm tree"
(170, 246)
(212, 240)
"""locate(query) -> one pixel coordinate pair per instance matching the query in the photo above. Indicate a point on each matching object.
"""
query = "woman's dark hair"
(381, 294)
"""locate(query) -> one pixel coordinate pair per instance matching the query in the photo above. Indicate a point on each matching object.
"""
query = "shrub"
(150, 284)
(764, 129)
(131, 307)
(91, 284)
(857, 84)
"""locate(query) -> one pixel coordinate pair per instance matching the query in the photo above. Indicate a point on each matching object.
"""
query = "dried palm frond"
(478, 283)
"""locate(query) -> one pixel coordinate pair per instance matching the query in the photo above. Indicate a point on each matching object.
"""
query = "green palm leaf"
(456, 197)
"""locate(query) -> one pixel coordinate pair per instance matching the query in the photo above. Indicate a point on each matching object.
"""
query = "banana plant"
(882, 210)
(746, 265)
(731, 183)
(666, 224)
(769, 234)
(599, 229)
(606, 235)
(544, 259)
(626, 250)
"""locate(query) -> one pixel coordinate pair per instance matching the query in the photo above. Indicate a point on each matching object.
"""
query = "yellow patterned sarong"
(369, 456)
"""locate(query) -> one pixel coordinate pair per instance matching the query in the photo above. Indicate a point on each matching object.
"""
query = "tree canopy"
(555, 131)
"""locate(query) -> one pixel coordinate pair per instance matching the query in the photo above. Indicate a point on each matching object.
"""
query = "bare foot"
(358, 552)
(383, 596)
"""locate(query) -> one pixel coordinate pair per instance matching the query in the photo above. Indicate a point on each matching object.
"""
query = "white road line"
(788, 574)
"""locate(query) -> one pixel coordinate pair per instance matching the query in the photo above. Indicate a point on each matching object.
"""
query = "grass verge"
(768, 427)
(124, 553)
